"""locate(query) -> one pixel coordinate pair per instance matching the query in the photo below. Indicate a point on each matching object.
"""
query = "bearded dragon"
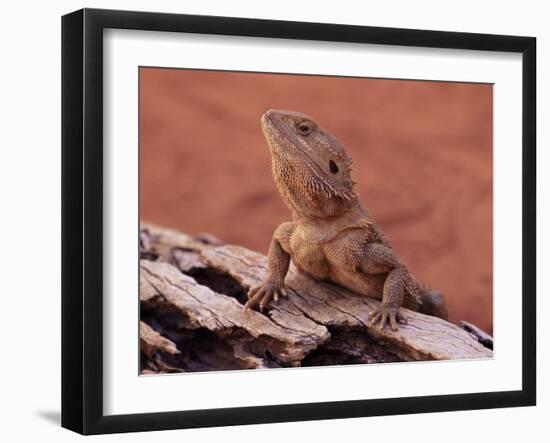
(331, 236)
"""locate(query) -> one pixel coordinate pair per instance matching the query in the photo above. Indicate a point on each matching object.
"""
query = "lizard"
(331, 237)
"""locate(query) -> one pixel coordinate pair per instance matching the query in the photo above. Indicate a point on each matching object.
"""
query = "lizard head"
(310, 167)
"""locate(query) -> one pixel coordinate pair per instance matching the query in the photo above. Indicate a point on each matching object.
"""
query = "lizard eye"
(304, 128)
(333, 167)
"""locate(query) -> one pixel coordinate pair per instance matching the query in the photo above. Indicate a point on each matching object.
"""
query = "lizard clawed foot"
(263, 294)
(385, 315)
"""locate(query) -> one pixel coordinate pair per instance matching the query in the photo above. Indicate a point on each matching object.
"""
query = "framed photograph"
(268, 221)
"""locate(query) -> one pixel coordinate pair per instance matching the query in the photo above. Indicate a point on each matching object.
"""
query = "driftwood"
(192, 292)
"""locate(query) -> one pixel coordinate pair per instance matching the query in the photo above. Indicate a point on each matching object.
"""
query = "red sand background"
(422, 158)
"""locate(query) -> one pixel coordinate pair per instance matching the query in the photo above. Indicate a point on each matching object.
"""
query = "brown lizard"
(331, 236)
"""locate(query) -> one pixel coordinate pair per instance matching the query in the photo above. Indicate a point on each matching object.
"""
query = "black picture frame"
(82, 219)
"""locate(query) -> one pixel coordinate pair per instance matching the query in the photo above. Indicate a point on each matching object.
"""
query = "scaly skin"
(331, 236)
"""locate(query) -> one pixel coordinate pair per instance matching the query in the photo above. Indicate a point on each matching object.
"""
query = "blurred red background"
(422, 158)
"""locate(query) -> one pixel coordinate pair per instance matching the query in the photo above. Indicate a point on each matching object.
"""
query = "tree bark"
(192, 292)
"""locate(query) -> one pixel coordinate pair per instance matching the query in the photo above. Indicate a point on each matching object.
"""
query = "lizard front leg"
(278, 262)
(379, 258)
(392, 299)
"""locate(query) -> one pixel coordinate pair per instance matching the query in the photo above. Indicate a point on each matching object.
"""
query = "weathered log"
(479, 335)
(192, 292)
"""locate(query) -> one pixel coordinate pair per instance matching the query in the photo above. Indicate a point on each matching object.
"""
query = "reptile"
(331, 237)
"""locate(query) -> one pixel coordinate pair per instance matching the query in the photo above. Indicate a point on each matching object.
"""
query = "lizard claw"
(383, 315)
(262, 295)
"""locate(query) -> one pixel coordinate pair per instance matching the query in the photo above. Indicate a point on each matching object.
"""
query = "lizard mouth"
(269, 127)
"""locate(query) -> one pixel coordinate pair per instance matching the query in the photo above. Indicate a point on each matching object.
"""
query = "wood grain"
(192, 293)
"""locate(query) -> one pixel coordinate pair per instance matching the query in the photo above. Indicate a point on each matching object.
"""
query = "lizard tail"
(424, 299)
(432, 302)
